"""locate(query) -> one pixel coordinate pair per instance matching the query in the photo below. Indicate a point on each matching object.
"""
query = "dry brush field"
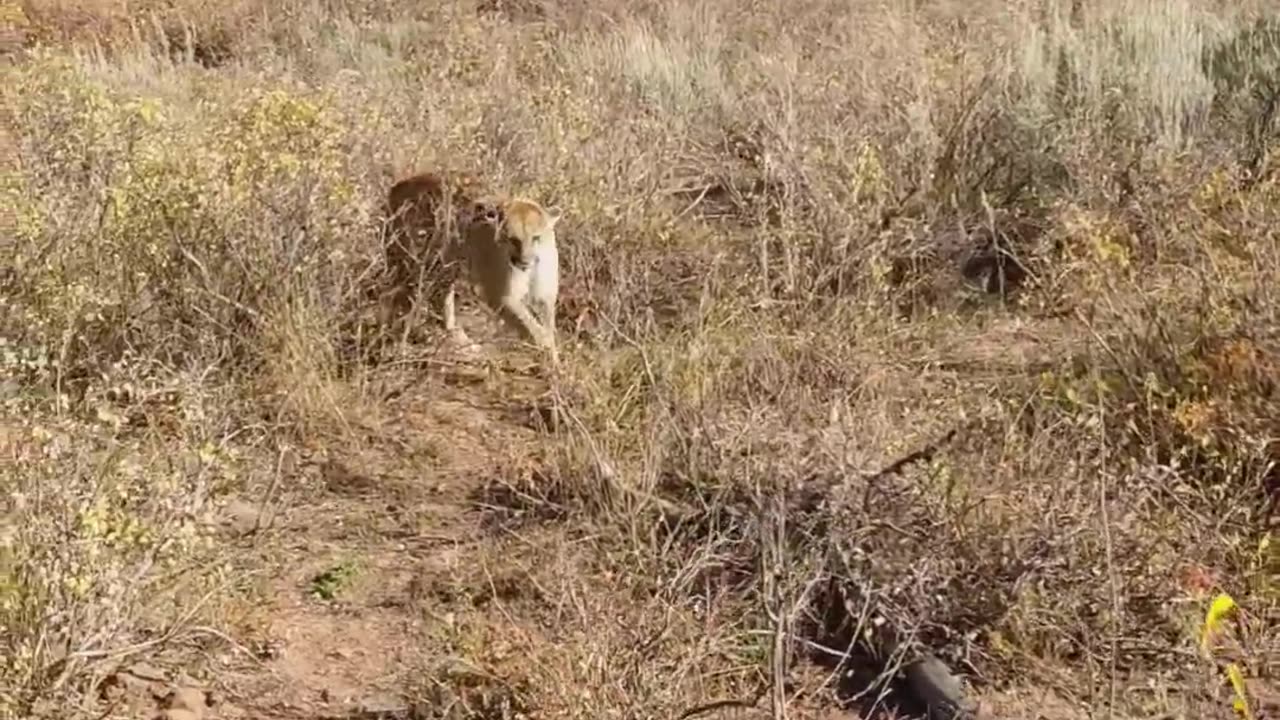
(888, 330)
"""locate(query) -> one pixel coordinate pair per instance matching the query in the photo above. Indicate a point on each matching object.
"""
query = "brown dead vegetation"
(899, 344)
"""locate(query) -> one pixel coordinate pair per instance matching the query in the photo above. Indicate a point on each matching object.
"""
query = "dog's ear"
(553, 215)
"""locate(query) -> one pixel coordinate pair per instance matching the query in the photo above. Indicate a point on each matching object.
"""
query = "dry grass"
(957, 321)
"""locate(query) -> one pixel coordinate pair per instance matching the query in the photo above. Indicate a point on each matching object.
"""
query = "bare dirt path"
(348, 568)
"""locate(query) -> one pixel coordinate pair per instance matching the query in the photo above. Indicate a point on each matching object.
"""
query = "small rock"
(383, 705)
(288, 462)
(338, 478)
(146, 671)
(183, 703)
(240, 516)
(939, 690)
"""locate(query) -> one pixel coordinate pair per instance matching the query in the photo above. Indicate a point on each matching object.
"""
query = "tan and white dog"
(506, 248)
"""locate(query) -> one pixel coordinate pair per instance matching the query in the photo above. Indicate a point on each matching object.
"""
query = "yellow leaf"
(1221, 606)
(1241, 702)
